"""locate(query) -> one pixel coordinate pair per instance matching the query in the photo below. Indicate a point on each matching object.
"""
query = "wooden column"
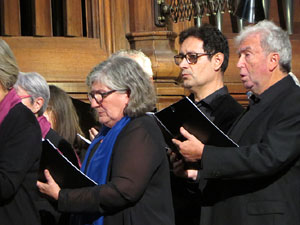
(72, 18)
(10, 18)
(42, 18)
(159, 44)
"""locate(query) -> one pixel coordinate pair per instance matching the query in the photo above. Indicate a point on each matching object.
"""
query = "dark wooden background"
(64, 39)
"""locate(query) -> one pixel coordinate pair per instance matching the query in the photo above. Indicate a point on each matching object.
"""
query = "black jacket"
(20, 150)
(257, 183)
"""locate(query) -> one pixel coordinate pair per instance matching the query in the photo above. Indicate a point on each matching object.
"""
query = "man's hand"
(191, 149)
(50, 188)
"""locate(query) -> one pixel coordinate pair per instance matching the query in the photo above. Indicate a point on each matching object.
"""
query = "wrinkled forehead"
(250, 43)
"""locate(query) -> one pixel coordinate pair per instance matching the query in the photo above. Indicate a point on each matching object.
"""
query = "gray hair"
(36, 86)
(273, 39)
(9, 69)
(143, 60)
(124, 74)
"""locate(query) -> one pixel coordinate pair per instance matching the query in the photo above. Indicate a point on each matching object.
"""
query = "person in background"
(137, 55)
(257, 182)
(143, 60)
(127, 159)
(34, 91)
(20, 151)
(203, 59)
(64, 120)
(86, 115)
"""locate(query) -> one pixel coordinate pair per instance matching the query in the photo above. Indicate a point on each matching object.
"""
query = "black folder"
(185, 113)
(65, 174)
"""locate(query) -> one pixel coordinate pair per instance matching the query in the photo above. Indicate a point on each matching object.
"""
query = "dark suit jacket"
(186, 196)
(20, 150)
(257, 183)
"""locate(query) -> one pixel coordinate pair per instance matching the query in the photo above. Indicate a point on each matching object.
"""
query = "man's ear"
(38, 104)
(218, 60)
(273, 61)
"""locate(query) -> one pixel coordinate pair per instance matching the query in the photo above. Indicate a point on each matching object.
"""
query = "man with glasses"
(203, 59)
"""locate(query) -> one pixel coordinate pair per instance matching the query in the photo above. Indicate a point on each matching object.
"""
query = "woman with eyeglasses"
(127, 158)
(34, 92)
(20, 149)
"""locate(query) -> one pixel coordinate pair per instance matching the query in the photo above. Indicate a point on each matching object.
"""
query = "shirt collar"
(272, 91)
(209, 99)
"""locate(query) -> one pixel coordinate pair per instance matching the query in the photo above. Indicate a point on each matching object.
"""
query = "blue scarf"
(98, 165)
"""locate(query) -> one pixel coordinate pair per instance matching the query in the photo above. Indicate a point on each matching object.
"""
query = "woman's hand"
(50, 188)
(178, 167)
(93, 133)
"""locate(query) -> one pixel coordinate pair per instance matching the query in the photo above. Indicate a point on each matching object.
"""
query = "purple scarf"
(9, 101)
(44, 125)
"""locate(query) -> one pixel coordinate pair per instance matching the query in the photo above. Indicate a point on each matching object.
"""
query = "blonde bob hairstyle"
(9, 69)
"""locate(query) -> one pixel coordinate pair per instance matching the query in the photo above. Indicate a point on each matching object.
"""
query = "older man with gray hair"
(257, 182)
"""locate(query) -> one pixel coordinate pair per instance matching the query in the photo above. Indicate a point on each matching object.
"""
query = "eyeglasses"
(99, 96)
(191, 58)
(25, 96)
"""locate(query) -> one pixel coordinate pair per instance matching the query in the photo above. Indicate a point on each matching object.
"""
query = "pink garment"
(44, 125)
(9, 101)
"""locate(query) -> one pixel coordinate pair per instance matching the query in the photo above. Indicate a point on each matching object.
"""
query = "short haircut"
(123, 73)
(272, 39)
(9, 69)
(36, 86)
(213, 41)
(143, 60)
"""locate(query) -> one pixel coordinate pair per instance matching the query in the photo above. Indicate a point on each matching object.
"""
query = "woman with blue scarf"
(127, 158)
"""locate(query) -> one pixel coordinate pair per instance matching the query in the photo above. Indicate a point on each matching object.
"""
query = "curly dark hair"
(213, 41)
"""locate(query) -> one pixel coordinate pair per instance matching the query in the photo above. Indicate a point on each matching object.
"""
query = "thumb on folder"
(191, 148)
(49, 188)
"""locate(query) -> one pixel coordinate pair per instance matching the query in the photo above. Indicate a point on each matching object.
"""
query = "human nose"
(94, 103)
(183, 64)
(240, 62)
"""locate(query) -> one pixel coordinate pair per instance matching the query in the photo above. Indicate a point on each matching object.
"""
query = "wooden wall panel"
(120, 24)
(10, 17)
(58, 59)
(92, 18)
(73, 18)
(142, 16)
(42, 18)
(66, 61)
(105, 25)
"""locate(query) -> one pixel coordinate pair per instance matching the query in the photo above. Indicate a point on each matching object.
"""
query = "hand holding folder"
(65, 174)
(185, 113)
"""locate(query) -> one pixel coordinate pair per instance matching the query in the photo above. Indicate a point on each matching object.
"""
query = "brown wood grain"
(58, 59)
(42, 18)
(112, 25)
(10, 13)
(72, 18)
